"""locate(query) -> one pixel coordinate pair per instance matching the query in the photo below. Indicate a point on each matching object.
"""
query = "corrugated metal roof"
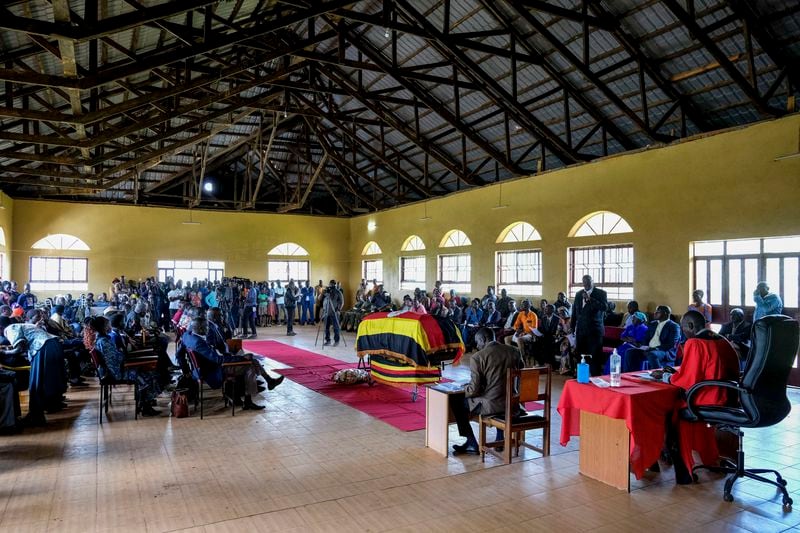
(683, 64)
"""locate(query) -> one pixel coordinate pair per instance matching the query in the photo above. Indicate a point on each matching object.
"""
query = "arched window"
(2, 254)
(283, 269)
(371, 248)
(413, 243)
(60, 241)
(288, 248)
(600, 223)
(519, 232)
(453, 238)
(50, 273)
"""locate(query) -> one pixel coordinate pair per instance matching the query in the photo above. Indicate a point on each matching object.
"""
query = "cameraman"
(249, 308)
(332, 303)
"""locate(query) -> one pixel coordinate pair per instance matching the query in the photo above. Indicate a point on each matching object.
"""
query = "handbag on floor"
(180, 404)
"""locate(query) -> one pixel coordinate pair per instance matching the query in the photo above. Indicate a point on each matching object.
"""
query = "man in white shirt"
(280, 300)
(175, 295)
(508, 327)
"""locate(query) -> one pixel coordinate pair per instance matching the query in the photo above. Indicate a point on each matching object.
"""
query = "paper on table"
(644, 376)
(600, 382)
(452, 386)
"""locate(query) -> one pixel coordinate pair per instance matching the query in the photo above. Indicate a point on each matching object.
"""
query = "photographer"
(249, 308)
(332, 303)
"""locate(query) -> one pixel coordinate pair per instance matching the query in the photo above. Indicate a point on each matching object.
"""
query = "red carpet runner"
(391, 405)
(289, 355)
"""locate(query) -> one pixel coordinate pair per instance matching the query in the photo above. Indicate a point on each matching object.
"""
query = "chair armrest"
(236, 363)
(709, 383)
(16, 368)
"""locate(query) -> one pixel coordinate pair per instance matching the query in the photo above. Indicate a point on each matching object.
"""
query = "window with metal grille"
(519, 272)
(611, 268)
(455, 271)
(283, 271)
(189, 270)
(728, 271)
(412, 272)
(59, 273)
(372, 269)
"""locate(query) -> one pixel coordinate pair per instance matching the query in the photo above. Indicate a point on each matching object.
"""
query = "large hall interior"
(436, 149)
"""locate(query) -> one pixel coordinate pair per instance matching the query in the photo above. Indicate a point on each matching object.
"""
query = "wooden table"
(438, 417)
(622, 429)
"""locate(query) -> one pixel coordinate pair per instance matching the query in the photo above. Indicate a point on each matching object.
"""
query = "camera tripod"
(338, 326)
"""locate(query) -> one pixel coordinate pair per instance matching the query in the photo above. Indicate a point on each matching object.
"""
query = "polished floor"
(308, 463)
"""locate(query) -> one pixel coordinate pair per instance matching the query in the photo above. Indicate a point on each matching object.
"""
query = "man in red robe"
(706, 356)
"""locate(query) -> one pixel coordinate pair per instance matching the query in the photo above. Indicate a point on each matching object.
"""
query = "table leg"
(605, 450)
(437, 415)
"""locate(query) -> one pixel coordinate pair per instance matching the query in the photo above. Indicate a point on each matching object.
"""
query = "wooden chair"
(228, 383)
(522, 385)
(22, 384)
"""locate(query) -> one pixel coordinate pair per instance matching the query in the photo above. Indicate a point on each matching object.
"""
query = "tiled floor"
(308, 463)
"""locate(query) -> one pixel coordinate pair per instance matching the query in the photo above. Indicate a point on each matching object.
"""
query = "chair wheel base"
(782, 481)
(787, 504)
(728, 497)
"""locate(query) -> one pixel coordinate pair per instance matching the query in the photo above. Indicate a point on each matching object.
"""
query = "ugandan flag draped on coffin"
(408, 338)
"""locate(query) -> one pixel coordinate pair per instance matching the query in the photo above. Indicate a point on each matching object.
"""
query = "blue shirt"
(770, 304)
(252, 297)
(474, 315)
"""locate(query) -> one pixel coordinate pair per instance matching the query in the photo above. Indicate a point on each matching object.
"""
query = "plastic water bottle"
(583, 370)
(616, 368)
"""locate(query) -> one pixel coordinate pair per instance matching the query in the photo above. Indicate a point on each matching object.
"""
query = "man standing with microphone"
(588, 311)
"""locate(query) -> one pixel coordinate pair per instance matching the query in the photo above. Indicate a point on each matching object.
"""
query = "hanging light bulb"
(386, 32)
(285, 113)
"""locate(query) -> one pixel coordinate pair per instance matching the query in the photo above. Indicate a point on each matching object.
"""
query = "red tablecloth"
(645, 407)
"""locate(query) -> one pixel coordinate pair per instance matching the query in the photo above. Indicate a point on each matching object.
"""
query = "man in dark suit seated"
(546, 346)
(217, 337)
(737, 331)
(661, 344)
(380, 301)
(485, 394)
(210, 362)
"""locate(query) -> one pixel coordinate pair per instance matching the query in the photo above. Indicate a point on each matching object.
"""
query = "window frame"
(461, 286)
(364, 273)
(515, 289)
(298, 251)
(411, 284)
(448, 241)
(58, 285)
(169, 271)
(584, 222)
(723, 305)
(288, 269)
(614, 289)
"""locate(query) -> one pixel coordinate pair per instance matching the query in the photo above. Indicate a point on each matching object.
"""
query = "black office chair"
(762, 398)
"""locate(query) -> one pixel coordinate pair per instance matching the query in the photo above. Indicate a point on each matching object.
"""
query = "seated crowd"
(559, 332)
(47, 346)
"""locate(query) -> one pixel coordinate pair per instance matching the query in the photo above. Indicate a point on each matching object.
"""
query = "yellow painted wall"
(129, 240)
(6, 224)
(726, 185)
